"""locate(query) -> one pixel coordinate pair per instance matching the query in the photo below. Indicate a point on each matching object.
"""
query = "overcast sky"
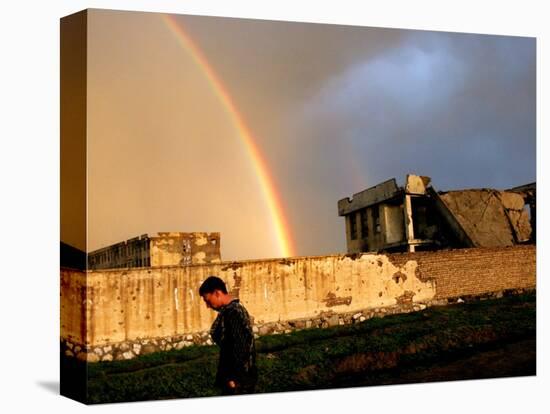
(333, 109)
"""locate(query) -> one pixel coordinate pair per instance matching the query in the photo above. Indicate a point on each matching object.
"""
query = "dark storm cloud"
(262, 61)
(460, 108)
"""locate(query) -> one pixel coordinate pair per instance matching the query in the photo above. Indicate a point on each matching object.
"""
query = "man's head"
(214, 293)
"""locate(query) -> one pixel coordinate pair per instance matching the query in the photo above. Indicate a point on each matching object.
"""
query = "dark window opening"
(424, 225)
(364, 224)
(352, 226)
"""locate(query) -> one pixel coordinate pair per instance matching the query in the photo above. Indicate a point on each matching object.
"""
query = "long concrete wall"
(129, 305)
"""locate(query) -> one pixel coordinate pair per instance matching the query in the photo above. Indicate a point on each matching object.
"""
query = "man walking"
(232, 332)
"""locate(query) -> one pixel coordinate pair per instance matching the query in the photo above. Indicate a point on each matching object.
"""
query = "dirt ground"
(508, 360)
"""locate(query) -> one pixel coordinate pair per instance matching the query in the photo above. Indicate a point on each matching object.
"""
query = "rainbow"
(266, 182)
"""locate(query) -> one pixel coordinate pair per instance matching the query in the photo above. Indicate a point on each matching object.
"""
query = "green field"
(479, 339)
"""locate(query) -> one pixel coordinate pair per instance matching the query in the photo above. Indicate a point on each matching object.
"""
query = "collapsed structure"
(415, 217)
(165, 249)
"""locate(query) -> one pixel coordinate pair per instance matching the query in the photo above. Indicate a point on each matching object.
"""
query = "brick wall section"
(465, 272)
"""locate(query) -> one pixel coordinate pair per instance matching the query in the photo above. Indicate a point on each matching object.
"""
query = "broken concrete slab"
(521, 225)
(416, 184)
(511, 201)
(373, 195)
(483, 216)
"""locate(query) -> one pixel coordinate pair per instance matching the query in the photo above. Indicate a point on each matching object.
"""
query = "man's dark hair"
(211, 284)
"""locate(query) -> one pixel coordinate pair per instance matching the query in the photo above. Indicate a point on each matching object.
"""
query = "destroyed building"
(416, 217)
(165, 249)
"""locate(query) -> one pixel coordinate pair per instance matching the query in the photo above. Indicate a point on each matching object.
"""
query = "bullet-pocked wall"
(130, 305)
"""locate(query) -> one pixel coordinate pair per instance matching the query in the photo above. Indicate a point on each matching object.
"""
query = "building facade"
(415, 217)
(164, 249)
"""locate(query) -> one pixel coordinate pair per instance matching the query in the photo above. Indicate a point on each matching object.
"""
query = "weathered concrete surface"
(490, 218)
(409, 226)
(118, 314)
(416, 184)
(392, 223)
(175, 248)
(368, 197)
(120, 305)
(135, 303)
(73, 305)
(449, 219)
(165, 249)
(512, 201)
(529, 193)
(521, 225)
(308, 286)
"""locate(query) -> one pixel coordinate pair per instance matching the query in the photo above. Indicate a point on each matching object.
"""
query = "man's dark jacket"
(232, 332)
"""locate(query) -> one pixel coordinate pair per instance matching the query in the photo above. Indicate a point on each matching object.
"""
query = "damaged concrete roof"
(489, 217)
(475, 217)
